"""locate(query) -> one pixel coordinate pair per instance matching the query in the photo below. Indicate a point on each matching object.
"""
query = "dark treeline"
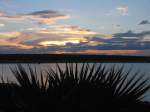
(75, 88)
(73, 58)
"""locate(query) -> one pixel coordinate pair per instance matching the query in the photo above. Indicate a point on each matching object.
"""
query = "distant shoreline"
(72, 58)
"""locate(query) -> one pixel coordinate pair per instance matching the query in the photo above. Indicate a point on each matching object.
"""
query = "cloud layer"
(123, 10)
(144, 22)
(62, 38)
(76, 41)
(43, 17)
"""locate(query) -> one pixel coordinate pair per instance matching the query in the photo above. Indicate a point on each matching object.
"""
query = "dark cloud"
(43, 17)
(107, 47)
(130, 33)
(143, 22)
(115, 40)
(46, 14)
(118, 25)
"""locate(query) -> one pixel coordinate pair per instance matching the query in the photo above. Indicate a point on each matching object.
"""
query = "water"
(140, 67)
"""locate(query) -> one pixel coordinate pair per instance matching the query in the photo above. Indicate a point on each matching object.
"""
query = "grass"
(87, 88)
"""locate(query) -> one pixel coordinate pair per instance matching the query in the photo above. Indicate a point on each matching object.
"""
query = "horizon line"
(71, 58)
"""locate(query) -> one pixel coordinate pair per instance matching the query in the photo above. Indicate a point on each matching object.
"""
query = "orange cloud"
(18, 45)
(13, 39)
(113, 52)
(9, 34)
(43, 37)
(67, 30)
(42, 17)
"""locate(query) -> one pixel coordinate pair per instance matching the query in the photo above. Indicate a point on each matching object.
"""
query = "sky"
(113, 27)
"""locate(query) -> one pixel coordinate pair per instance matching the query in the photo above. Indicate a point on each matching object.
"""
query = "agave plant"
(96, 88)
(31, 89)
(79, 87)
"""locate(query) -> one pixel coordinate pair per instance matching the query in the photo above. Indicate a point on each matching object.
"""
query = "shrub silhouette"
(88, 88)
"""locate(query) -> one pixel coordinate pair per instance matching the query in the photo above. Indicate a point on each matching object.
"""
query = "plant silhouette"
(73, 88)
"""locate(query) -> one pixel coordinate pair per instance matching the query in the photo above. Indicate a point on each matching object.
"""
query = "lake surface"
(140, 67)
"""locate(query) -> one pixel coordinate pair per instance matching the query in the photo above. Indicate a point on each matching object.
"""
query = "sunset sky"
(75, 26)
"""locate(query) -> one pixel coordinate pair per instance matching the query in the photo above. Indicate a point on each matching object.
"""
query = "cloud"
(131, 34)
(144, 22)
(146, 38)
(113, 52)
(13, 39)
(56, 38)
(57, 49)
(59, 43)
(73, 39)
(42, 17)
(46, 16)
(72, 30)
(123, 10)
(9, 34)
(15, 45)
(62, 36)
(42, 37)
(2, 25)
(118, 52)
(55, 35)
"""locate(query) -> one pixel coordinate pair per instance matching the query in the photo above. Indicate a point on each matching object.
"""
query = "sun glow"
(59, 43)
(10, 34)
